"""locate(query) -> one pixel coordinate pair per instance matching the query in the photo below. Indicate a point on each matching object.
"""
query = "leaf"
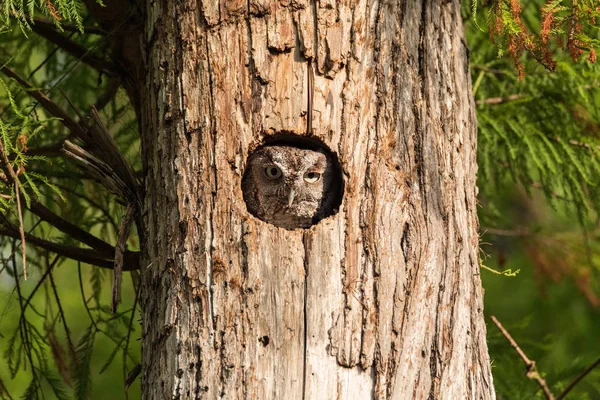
(82, 375)
(111, 356)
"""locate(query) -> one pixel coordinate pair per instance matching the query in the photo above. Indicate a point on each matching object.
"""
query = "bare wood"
(119, 254)
(382, 300)
(532, 372)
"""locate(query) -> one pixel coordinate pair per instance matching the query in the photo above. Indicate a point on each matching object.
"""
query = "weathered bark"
(383, 299)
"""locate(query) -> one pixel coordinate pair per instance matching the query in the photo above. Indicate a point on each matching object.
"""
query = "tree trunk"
(382, 300)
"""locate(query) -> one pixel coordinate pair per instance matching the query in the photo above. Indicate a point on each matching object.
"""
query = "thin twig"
(38, 285)
(79, 52)
(93, 30)
(126, 349)
(119, 252)
(15, 181)
(54, 109)
(578, 379)
(88, 256)
(23, 329)
(499, 100)
(506, 232)
(64, 321)
(532, 372)
(89, 312)
(21, 229)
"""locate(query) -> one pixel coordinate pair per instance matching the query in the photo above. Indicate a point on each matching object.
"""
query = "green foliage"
(17, 127)
(543, 29)
(536, 130)
(83, 379)
(539, 134)
(541, 130)
(57, 10)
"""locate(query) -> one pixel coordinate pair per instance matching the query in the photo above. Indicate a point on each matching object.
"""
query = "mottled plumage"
(290, 187)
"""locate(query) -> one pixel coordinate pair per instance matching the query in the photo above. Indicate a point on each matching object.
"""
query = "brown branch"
(506, 232)
(50, 33)
(88, 256)
(581, 144)
(499, 100)
(72, 230)
(21, 227)
(14, 179)
(105, 212)
(53, 108)
(111, 91)
(119, 252)
(97, 136)
(93, 30)
(532, 372)
(491, 70)
(578, 379)
(51, 150)
(572, 25)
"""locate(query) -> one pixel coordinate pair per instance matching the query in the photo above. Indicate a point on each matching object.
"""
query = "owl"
(291, 187)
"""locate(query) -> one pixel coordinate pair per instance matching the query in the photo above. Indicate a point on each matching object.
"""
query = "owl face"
(285, 185)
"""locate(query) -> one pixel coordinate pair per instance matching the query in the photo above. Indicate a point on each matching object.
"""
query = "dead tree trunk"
(382, 300)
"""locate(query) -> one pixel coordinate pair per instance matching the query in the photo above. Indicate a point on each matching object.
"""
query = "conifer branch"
(81, 53)
(578, 379)
(94, 30)
(53, 108)
(63, 317)
(51, 150)
(71, 230)
(532, 372)
(88, 256)
(12, 177)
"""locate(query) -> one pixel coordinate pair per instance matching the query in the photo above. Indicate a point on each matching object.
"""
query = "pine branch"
(93, 30)
(88, 256)
(11, 177)
(23, 330)
(105, 212)
(51, 150)
(63, 317)
(72, 230)
(578, 379)
(53, 108)
(81, 53)
(532, 372)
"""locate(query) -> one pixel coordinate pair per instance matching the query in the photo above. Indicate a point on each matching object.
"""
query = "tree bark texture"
(382, 300)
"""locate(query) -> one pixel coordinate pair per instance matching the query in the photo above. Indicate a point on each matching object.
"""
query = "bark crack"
(305, 240)
(211, 231)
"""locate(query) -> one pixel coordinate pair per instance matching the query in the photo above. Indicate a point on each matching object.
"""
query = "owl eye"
(312, 177)
(272, 172)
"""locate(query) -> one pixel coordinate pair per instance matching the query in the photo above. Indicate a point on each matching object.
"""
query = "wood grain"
(382, 300)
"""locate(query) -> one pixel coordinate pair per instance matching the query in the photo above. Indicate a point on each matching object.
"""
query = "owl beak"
(291, 197)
